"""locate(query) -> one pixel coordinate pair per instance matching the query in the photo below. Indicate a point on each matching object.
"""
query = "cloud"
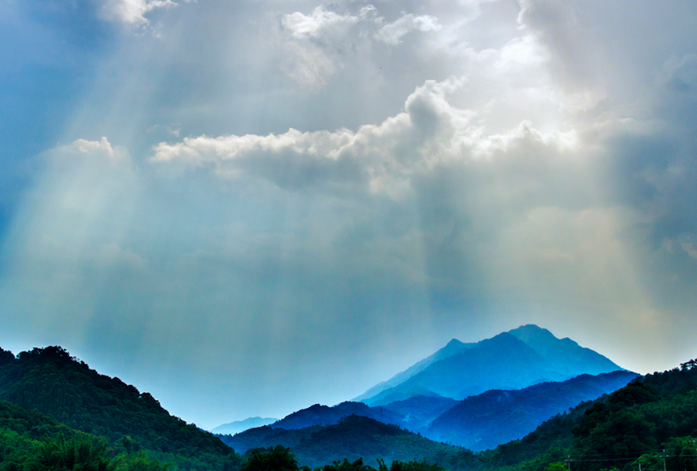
(375, 157)
(132, 12)
(482, 197)
(313, 45)
(392, 33)
(319, 43)
(561, 32)
(319, 24)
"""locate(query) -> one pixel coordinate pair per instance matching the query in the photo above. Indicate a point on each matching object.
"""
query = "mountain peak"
(531, 330)
(565, 355)
(458, 369)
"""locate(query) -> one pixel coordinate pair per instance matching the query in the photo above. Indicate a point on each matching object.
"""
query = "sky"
(248, 207)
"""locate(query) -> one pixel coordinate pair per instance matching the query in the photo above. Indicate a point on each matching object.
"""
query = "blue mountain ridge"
(242, 425)
(511, 360)
(506, 367)
(495, 417)
(478, 422)
(452, 348)
(324, 415)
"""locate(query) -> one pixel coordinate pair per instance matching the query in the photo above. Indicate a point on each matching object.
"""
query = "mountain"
(242, 425)
(266, 436)
(352, 437)
(627, 429)
(419, 411)
(52, 382)
(321, 434)
(502, 362)
(30, 440)
(324, 415)
(564, 355)
(511, 360)
(495, 417)
(453, 347)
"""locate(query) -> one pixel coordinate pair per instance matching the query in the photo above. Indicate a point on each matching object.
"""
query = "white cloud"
(318, 24)
(375, 157)
(392, 33)
(319, 44)
(133, 12)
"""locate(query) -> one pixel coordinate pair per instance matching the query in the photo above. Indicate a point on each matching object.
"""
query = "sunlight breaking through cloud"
(298, 189)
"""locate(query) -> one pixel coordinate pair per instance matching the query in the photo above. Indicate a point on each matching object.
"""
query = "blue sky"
(249, 207)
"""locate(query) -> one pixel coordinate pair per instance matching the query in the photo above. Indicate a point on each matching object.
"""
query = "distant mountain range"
(516, 359)
(49, 399)
(648, 411)
(242, 425)
(323, 415)
(477, 423)
(512, 360)
(477, 395)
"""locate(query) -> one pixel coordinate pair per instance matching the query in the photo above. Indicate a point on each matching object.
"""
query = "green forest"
(58, 414)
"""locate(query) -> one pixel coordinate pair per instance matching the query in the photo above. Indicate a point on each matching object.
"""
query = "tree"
(557, 466)
(79, 454)
(278, 458)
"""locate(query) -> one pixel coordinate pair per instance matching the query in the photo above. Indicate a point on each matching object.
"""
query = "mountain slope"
(353, 437)
(452, 348)
(242, 425)
(511, 360)
(502, 362)
(564, 355)
(30, 440)
(495, 417)
(50, 381)
(266, 436)
(419, 411)
(625, 430)
(324, 415)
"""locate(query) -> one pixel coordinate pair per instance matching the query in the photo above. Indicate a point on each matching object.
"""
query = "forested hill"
(494, 417)
(324, 415)
(30, 440)
(352, 437)
(49, 380)
(629, 427)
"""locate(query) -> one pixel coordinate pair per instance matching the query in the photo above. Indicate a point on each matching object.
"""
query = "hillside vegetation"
(621, 430)
(495, 417)
(52, 382)
(352, 437)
